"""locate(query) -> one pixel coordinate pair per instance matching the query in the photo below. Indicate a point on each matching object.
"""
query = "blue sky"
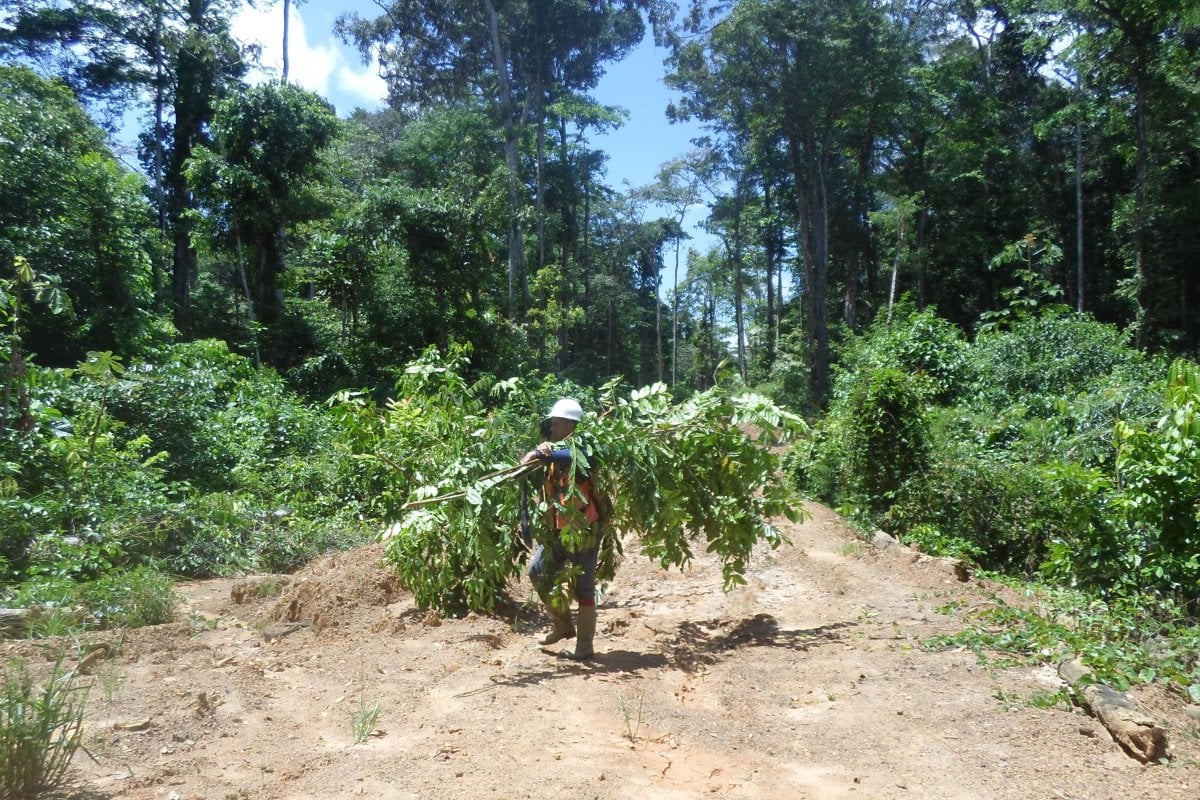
(321, 63)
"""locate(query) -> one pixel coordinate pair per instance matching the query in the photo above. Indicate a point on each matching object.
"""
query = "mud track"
(811, 682)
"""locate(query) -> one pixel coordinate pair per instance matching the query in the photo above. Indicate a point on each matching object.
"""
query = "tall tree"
(207, 63)
(519, 56)
(677, 188)
(287, 21)
(89, 227)
(1135, 56)
(267, 145)
(801, 71)
(181, 52)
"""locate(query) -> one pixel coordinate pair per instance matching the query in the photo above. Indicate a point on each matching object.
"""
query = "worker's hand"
(543, 450)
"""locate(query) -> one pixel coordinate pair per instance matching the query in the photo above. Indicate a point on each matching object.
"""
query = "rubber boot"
(586, 623)
(561, 626)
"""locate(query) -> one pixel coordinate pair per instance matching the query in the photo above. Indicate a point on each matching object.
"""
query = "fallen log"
(1137, 733)
(13, 622)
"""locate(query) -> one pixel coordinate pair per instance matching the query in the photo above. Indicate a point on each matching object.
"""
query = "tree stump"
(1133, 729)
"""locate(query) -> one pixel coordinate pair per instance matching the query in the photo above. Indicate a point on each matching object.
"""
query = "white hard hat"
(567, 409)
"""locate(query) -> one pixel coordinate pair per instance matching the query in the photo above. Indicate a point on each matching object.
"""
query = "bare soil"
(811, 682)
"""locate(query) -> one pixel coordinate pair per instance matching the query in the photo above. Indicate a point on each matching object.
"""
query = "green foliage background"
(251, 351)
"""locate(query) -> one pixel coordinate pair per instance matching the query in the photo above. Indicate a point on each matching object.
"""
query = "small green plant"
(110, 679)
(1132, 641)
(270, 586)
(1059, 698)
(1043, 700)
(364, 718)
(41, 727)
(930, 540)
(633, 720)
(53, 622)
(1031, 261)
(133, 599)
(200, 623)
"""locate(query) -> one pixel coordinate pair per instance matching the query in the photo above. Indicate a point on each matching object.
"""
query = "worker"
(571, 504)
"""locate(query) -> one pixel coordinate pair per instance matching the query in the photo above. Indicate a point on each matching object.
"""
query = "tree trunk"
(675, 314)
(159, 135)
(586, 254)
(896, 262)
(567, 246)
(658, 350)
(192, 96)
(14, 622)
(864, 200)
(241, 261)
(770, 265)
(922, 252)
(540, 178)
(1079, 202)
(738, 290)
(286, 9)
(812, 219)
(709, 343)
(516, 243)
(1141, 178)
(183, 261)
(612, 323)
(779, 294)
(183, 264)
(850, 295)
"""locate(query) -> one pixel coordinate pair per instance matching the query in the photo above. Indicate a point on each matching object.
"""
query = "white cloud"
(323, 67)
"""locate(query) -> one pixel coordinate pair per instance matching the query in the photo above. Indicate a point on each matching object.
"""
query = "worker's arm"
(548, 453)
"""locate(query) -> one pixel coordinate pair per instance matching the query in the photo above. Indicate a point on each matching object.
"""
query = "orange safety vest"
(557, 490)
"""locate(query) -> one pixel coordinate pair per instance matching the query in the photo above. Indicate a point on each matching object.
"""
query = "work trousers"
(548, 561)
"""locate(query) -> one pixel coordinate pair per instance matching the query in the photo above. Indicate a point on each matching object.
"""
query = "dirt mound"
(340, 590)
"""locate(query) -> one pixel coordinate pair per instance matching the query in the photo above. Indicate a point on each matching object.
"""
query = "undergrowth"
(41, 727)
(1125, 642)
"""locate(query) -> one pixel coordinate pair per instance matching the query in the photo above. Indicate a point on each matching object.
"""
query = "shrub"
(177, 400)
(887, 440)
(914, 342)
(982, 505)
(41, 727)
(876, 434)
(1135, 528)
(985, 449)
(1043, 360)
(133, 599)
(293, 541)
(789, 381)
(874, 439)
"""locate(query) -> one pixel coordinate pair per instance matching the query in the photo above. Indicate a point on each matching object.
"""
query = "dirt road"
(811, 682)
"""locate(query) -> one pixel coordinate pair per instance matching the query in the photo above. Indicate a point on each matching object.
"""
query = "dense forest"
(985, 215)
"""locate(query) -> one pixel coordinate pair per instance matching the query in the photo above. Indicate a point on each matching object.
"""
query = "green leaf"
(23, 269)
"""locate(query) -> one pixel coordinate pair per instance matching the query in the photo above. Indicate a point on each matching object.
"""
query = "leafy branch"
(680, 475)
